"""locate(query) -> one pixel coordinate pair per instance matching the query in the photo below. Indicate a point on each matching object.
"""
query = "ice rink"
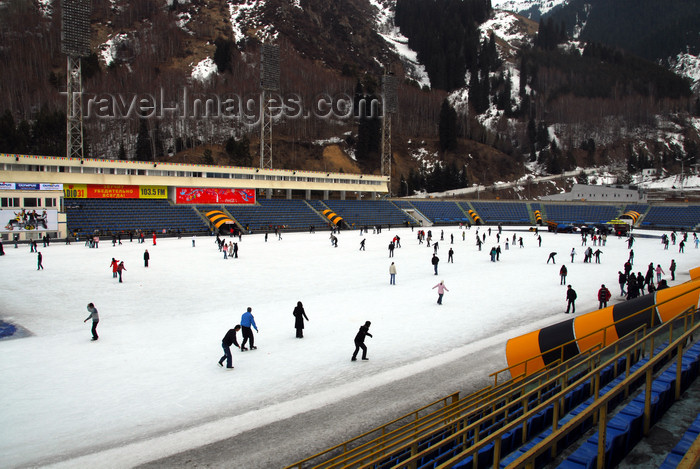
(150, 386)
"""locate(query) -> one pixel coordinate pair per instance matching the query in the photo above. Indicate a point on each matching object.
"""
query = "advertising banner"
(28, 220)
(194, 195)
(113, 191)
(24, 186)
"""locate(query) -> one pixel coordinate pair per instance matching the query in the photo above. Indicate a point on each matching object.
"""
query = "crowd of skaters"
(631, 285)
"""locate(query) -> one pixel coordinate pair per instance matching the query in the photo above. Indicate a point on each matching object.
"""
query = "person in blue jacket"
(247, 320)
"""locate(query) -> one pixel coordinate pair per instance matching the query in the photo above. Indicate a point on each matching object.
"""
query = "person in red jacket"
(154, 238)
(114, 265)
(603, 297)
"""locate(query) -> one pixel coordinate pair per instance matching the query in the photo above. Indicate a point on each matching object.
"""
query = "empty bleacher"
(502, 212)
(357, 213)
(267, 214)
(87, 216)
(441, 212)
(583, 213)
(660, 216)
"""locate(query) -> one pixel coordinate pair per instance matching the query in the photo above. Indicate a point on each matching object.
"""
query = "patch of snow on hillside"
(239, 14)
(386, 28)
(108, 50)
(204, 70)
(521, 6)
(688, 65)
(297, 4)
(505, 26)
(45, 7)
(182, 20)
(328, 141)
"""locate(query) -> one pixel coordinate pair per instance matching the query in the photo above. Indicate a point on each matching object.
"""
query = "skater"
(622, 280)
(362, 244)
(235, 250)
(360, 341)
(39, 258)
(247, 320)
(95, 319)
(659, 272)
(299, 316)
(562, 275)
(441, 290)
(435, 261)
(391, 249)
(672, 269)
(392, 274)
(597, 254)
(228, 340)
(450, 256)
(603, 297)
(114, 264)
(551, 256)
(120, 268)
(193, 238)
(146, 257)
(573, 254)
(570, 299)
(154, 238)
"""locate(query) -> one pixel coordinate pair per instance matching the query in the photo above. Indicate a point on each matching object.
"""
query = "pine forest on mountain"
(591, 95)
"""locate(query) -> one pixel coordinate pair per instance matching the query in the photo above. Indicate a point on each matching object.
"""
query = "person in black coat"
(570, 300)
(146, 257)
(360, 341)
(299, 316)
(228, 340)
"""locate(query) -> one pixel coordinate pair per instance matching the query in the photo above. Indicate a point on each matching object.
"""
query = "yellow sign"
(153, 192)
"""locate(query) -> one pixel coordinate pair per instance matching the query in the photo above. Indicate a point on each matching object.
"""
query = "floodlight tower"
(269, 82)
(390, 106)
(75, 43)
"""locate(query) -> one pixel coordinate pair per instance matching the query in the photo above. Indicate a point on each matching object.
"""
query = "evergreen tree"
(144, 151)
(121, 155)
(8, 133)
(223, 55)
(447, 127)
(238, 152)
(207, 157)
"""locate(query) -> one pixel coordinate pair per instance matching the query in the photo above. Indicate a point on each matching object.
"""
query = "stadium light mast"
(389, 106)
(269, 82)
(75, 43)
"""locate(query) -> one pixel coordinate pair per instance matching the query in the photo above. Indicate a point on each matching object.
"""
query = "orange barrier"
(531, 352)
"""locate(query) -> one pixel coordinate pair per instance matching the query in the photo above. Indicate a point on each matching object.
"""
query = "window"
(31, 202)
(9, 201)
(49, 202)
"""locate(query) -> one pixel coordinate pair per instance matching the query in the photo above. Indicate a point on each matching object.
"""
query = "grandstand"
(112, 216)
(268, 214)
(357, 213)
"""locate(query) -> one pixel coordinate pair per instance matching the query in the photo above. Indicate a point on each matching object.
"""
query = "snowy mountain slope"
(532, 9)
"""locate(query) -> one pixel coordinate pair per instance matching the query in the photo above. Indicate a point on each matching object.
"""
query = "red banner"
(194, 195)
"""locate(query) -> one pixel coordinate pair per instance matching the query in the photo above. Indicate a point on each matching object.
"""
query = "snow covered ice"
(151, 386)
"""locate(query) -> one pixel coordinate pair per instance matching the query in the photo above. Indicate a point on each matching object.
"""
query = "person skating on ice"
(360, 341)
(392, 274)
(94, 315)
(248, 321)
(228, 340)
(441, 290)
(570, 300)
(299, 316)
(603, 297)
